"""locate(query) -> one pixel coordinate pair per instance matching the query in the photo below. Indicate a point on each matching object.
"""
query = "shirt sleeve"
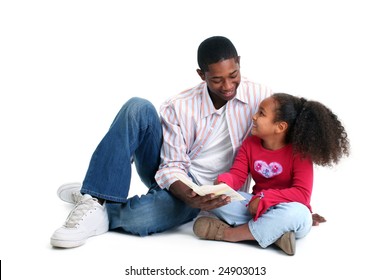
(239, 171)
(300, 190)
(174, 158)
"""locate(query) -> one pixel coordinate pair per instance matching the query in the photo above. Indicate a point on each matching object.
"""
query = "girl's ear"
(281, 127)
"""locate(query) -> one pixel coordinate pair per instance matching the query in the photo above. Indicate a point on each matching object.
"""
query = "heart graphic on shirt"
(268, 170)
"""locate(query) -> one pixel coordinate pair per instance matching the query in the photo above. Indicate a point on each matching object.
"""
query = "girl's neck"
(274, 144)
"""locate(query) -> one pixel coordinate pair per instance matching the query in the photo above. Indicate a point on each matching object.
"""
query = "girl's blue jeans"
(135, 136)
(279, 219)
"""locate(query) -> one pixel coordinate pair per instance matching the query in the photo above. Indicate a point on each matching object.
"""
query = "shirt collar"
(208, 106)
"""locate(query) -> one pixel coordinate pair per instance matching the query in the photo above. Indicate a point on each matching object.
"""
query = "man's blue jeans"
(135, 135)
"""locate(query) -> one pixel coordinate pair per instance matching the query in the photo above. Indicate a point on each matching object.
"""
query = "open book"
(207, 189)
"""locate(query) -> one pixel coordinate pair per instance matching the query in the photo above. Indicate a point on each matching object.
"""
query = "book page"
(207, 189)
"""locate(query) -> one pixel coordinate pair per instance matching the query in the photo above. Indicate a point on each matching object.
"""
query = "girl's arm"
(239, 171)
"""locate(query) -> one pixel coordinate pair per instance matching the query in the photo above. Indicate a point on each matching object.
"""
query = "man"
(197, 135)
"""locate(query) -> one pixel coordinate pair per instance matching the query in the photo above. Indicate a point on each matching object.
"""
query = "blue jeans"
(134, 136)
(279, 219)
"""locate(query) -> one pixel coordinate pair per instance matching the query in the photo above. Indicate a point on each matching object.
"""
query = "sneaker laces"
(76, 197)
(83, 206)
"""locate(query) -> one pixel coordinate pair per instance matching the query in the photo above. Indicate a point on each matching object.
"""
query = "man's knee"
(142, 112)
(139, 104)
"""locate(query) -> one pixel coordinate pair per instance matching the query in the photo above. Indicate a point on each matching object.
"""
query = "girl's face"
(264, 126)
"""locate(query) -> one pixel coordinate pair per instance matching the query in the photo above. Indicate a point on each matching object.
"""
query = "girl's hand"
(317, 219)
(252, 207)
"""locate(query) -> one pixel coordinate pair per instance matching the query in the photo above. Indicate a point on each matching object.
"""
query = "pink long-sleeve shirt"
(280, 176)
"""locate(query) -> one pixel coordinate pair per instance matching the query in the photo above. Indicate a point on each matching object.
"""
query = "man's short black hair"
(213, 50)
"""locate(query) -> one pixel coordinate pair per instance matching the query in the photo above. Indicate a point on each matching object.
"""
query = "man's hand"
(317, 219)
(207, 202)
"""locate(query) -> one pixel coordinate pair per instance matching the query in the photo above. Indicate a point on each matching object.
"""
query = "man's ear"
(201, 74)
(282, 127)
(238, 58)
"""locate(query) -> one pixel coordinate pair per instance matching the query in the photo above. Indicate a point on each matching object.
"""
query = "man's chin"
(229, 96)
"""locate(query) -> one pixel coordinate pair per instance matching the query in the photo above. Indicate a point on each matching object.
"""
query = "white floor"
(67, 67)
(349, 243)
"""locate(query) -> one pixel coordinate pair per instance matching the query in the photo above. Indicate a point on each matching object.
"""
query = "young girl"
(289, 135)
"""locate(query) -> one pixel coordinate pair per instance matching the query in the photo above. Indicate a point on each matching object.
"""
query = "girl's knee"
(295, 212)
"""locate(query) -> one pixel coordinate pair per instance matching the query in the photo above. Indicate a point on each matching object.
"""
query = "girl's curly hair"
(313, 129)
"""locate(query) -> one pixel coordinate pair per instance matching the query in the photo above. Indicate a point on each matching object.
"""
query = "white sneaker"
(88, 218)
(70, 192)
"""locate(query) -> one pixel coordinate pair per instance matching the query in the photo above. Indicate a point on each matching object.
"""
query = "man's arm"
(187, 195)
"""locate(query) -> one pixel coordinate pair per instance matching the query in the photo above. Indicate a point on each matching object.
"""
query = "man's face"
(223, 79)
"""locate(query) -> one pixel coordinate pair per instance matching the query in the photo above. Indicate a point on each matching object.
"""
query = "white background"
(66, 67)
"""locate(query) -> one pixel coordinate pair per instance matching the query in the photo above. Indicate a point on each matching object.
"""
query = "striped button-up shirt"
(188, 120)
